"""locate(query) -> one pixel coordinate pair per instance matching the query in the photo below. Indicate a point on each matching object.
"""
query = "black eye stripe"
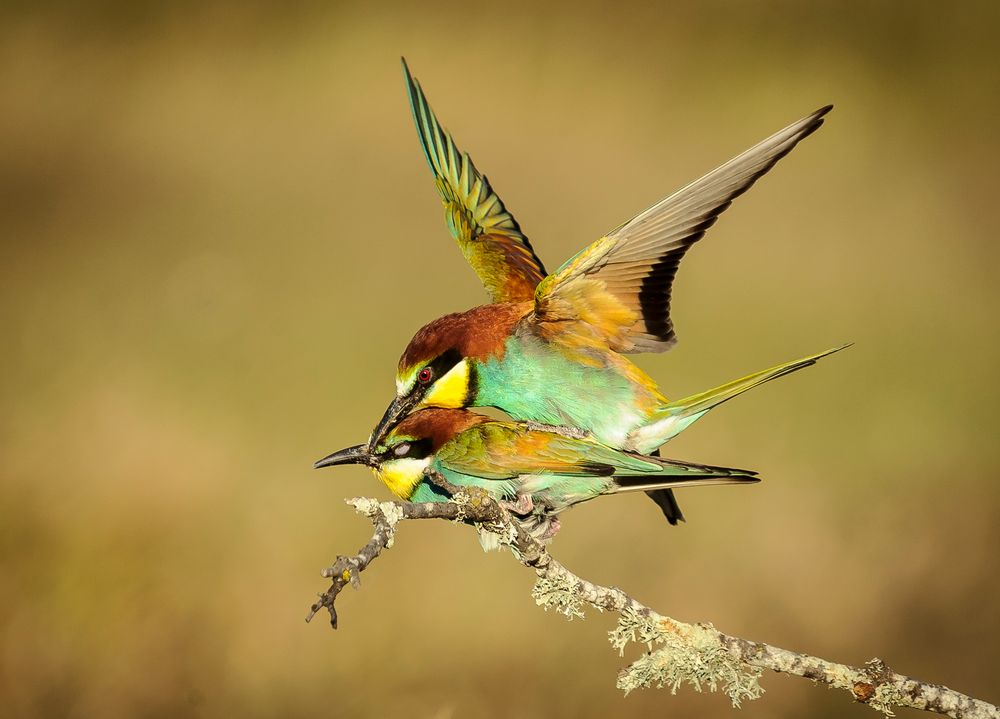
(416, 449)
(444, 362)
(472, 388)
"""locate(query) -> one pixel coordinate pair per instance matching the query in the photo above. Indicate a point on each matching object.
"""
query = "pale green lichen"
(461, 500)
(493, 536)
(693, 656)
(370, 507)
(634, 628)
(393, 515)
(886, 697)
(842, 677)
(558, 594)
(363, 505)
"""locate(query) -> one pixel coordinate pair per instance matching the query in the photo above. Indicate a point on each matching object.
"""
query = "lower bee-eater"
(536, 470)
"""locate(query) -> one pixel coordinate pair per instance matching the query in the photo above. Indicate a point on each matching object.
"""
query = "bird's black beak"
(394, 413)
(352, 455)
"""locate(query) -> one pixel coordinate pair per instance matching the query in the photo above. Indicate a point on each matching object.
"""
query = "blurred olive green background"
(218, 233)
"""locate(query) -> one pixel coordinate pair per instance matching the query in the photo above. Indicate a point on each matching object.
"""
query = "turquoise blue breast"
(533, 381)
(427, 491)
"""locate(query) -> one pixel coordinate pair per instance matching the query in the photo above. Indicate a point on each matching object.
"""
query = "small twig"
(384, 516)
(678, 652)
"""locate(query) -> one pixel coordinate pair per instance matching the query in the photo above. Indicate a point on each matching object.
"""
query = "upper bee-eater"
(538, 471)
(551, 347)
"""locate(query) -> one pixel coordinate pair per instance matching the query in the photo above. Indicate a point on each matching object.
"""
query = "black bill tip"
(357, 454)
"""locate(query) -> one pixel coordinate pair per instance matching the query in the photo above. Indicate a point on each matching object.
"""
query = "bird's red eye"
(424, 376)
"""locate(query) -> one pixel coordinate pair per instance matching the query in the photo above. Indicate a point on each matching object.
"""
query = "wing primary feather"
(762, 156)
(488, 234)
(635, 264)
(414, 94)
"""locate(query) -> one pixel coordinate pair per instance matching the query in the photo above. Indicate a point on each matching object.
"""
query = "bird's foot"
(522, 505)
(552, 527)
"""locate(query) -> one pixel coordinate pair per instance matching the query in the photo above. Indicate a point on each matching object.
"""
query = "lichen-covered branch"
(676, 653)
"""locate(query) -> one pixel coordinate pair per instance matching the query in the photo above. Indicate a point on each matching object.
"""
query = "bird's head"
(402, 456)
(435, 370)
(439, 365)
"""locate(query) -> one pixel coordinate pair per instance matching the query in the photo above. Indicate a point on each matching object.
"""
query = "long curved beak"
(357, 454)
(394, 413)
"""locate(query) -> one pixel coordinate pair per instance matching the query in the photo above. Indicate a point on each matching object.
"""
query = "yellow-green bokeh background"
(218, 233)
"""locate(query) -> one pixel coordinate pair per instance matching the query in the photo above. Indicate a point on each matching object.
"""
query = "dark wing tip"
(411, 83)
(816, 119)
(419, 106)
(815, 122)
(407, 76)
(656, 288)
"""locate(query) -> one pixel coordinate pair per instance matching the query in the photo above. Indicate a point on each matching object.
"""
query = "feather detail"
(509, 450)
(477, 333)
(544, 469)
(489, 236)
(617, 291)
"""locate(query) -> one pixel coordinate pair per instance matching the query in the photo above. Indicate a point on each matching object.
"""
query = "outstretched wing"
(616, 292)
(488, 234)
(507, 450)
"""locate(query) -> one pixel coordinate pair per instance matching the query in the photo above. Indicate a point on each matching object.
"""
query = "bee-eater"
(551, 347)
(539, 471)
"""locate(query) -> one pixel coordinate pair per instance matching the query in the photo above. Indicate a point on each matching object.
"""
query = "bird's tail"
(666, 500)
(674, 417)
(675, 473)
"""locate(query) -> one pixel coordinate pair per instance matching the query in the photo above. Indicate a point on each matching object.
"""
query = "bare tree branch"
(677, 653)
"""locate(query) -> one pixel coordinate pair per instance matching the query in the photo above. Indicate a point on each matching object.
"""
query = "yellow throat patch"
(451, 390)
(402, 476)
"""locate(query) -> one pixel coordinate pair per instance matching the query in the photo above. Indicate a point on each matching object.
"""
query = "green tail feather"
(700, 403)
(674, 417)
(647, 484)
(682, 474)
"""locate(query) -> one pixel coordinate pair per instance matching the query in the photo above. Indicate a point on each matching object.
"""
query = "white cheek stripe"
(403, 386)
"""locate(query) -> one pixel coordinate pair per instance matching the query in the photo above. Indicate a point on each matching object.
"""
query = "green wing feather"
(488, 234)
(507, 450)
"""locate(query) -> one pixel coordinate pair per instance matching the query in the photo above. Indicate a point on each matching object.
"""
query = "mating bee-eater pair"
(550, 349)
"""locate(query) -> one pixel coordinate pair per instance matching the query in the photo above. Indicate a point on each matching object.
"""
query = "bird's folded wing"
(500, 450)
(488, 234)
(616, 292)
